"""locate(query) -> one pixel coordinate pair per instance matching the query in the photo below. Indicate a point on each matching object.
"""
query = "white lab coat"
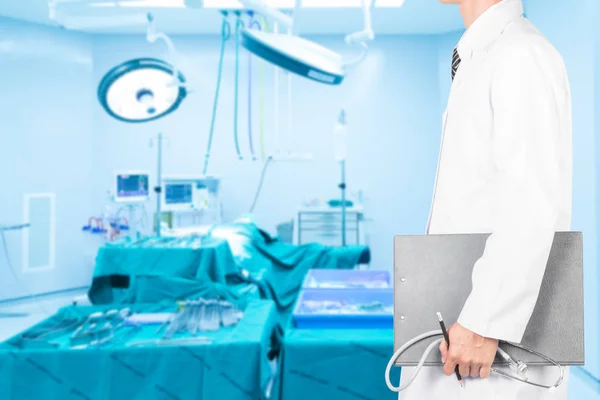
(504, 168)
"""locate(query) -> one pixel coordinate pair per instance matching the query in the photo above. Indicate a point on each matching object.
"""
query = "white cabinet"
(324, 226)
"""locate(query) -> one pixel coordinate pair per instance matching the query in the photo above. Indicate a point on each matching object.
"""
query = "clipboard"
(424, 265)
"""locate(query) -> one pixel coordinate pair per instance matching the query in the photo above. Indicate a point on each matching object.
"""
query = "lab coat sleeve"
(525, 199)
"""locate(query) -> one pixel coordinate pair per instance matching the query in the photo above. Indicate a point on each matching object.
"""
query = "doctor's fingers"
(485, 372)
(449, 367)
(464, 369)
(453, 358)
(475, 370)
(444, 351)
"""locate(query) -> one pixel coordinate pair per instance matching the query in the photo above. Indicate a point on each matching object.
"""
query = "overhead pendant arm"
(367, 33)
(152, 35)
(271, 13)
(260, 6)
(362, 37)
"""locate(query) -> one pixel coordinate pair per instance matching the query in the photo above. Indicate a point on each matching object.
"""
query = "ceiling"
(414, 17)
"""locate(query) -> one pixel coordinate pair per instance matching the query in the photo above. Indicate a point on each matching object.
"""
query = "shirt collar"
(488, 27)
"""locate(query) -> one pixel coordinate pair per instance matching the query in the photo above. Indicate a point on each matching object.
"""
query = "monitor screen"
(132, 186)
(180, 193)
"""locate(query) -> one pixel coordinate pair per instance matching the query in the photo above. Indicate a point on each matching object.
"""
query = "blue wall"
(45, 146)
(575, 41)
(394, 120)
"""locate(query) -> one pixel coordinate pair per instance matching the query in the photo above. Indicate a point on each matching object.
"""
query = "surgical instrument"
(42, 337)
(99, 328)
(148, 319)
(172, 342)
(200, 315)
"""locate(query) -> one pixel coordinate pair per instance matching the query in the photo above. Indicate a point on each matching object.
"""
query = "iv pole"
(158, 187)
(342, 187)
(340, 149)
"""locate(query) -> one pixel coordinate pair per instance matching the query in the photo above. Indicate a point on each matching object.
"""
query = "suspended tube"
(239, 24)
(261, 78)
(251, 24)
(225, 35)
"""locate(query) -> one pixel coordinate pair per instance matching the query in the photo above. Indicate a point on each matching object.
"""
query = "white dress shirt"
(504, 169)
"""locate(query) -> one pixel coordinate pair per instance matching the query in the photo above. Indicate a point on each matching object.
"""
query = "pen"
(447, 338)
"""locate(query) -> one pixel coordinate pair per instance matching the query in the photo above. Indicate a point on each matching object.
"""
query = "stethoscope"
(519, 366)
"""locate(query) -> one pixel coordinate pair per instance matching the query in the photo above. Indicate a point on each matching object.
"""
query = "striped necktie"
(455, 63)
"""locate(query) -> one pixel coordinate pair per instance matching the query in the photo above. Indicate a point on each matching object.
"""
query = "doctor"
(504, 168)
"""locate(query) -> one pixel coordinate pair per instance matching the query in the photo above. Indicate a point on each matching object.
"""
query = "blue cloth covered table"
(336, 364)
(236, 261)
(234, 366)
(123, 262)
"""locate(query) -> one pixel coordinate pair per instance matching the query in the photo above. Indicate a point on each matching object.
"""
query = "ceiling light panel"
(234, 4)
(331, 3)
(154, 3)
(229, 4)
(143, 4)
(389, 3)
(349, 3)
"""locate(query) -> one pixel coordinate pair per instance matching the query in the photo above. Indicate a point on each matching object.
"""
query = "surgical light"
(144, 89)
(138, 90)
(141, 90)
(300, 56)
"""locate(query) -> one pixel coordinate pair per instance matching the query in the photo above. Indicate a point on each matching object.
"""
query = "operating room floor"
(32, 310)
(581, 387)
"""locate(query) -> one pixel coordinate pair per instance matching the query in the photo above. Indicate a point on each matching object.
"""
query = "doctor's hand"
(472, 353)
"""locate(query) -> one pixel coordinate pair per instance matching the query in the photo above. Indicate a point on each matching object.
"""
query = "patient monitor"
(131, 187)
(188, 194)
